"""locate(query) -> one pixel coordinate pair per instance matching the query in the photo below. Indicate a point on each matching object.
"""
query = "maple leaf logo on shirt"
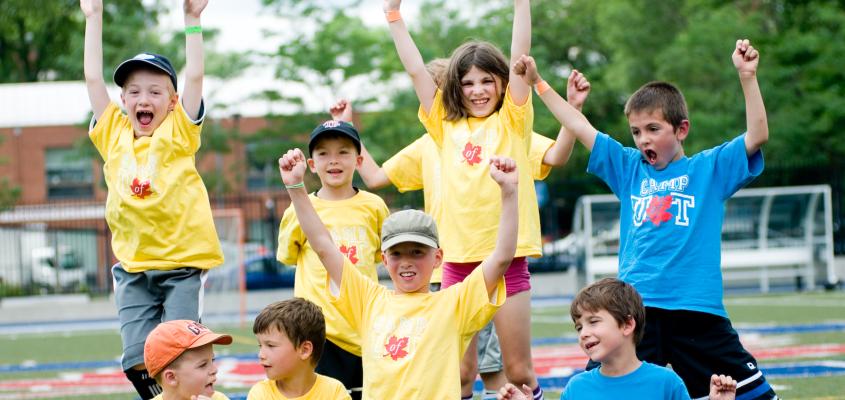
(657, 207)
(396, 347)
(140, 189)
(472, 154)
(350, 252)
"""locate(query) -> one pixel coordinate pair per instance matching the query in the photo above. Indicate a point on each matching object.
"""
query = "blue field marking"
(792, 370)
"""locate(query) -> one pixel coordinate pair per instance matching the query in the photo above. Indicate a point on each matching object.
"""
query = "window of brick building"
(69, 175)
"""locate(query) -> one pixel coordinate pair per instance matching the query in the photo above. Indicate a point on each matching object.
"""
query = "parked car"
(265, 272)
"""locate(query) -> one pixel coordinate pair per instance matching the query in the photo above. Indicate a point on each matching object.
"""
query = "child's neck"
(336, 193)
(622, 362)
(298, 384)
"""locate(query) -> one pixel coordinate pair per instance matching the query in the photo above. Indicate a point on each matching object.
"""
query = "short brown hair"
(618, 298)
(662, 96)
(299, 319)
(482, 55)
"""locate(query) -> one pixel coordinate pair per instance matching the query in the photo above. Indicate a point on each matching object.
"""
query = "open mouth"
(650, 156)
(144, 117)
(479, 102)
(589, 346)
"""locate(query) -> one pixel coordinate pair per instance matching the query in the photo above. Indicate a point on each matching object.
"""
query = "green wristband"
(193, 29)
(296, 185)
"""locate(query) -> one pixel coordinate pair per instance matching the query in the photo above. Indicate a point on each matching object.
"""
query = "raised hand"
(341, 111)
(292, 167)
(526, 68)
(391, 5)
(745, 58)
(722, 387)
(577, 89)
(194, 7)
(91, 7)
(511, 392)
(503, 171)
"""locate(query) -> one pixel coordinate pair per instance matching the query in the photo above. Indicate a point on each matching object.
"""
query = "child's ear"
(629, 326)
(359, 160)
(173, 99)
(438, 257)
(169, 377)
(311, 165)
(683, 130)
(305, 350)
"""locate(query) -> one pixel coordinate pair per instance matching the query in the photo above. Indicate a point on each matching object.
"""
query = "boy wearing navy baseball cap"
(157, 209)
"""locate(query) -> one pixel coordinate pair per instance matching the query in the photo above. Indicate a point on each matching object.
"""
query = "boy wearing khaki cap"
(179, 355)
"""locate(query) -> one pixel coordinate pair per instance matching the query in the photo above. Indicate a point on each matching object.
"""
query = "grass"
(745, 311)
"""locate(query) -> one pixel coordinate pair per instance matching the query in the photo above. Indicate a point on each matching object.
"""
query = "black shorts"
(343, 366)
(698, 345)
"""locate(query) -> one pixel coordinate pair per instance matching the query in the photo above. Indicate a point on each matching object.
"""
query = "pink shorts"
(517, 277)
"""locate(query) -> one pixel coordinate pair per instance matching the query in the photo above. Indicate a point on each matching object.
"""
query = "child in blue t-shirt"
(672, 208)
(609, 317)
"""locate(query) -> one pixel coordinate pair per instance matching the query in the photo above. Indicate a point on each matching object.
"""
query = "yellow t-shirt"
(157, 206)
(469, 218)
(215, 396)
(355, 226)
(417, 166)
(412, 343)
(325, 388)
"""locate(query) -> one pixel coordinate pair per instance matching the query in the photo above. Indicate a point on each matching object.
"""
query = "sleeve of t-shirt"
(291, 238)
(609, 160)
(475, 308)
(539, 146)
(354, 295)
(733, 168)
(105, 132)
(258, 391)
(679, 390)
(186, 132)
(520, 119)
(433, 121)
(404, 169)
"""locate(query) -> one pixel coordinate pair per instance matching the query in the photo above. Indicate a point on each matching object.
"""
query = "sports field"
(798, 339)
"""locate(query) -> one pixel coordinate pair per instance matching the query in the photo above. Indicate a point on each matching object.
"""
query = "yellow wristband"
(542, 87)
(393, 15)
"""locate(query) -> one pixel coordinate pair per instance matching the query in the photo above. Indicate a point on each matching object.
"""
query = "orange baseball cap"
(170, 339)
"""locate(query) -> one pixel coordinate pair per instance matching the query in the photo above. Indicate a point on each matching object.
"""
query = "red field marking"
(548, 361)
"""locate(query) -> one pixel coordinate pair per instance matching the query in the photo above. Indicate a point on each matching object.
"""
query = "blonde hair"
(482, 55)
(437, 68)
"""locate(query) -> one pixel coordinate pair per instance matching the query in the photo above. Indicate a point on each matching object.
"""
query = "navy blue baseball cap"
(144, 60)
(343, 128)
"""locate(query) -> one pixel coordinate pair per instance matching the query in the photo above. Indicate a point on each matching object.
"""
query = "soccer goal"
(225, 289)
(768, 233)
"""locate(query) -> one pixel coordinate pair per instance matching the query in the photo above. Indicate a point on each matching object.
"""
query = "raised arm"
(745, 59)
(371, 173)
(194, 64)
(577, 90)
(520, 44)
(503, 171)
(568, 116)
(292, 168)
(409, 55)
(93, 58)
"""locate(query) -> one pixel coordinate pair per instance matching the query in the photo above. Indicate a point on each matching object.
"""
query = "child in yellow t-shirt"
(291, 336)
(178, 354)
(354, 218)
(412, 340)
(157, 208)
(481, 110)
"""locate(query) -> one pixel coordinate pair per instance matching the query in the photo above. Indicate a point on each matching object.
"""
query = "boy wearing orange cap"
(179, 355)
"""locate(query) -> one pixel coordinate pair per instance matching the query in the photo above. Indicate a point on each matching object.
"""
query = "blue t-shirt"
(671, 220)
(649, 381)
